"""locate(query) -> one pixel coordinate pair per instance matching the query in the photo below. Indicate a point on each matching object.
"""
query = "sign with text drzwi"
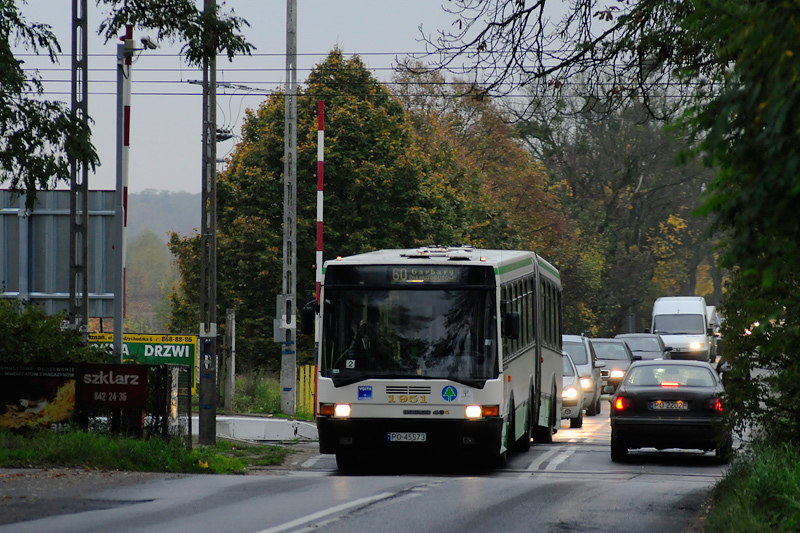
(155, 349)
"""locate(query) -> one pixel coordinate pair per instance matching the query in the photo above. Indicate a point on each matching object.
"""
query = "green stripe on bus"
(513, 266)
(550, 269)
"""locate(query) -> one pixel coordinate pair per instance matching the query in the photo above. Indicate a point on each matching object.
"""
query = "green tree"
(29, 335)
(749, 129)
(38, 138)
(383, 191)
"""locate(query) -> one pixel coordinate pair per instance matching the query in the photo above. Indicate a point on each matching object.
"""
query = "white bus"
(451, 350)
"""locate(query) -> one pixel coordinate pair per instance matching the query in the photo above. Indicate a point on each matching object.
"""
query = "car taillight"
(714, 404)
(623, 403)
(670, 384)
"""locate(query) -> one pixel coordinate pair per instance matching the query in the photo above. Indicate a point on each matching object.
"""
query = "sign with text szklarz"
(114, 386)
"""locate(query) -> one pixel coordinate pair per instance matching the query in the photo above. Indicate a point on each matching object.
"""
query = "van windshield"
(679, 324)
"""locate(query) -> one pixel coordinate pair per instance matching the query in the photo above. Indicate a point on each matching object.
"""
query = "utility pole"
(285, 322)
(124, 60)
(207, 432)
(79, 177)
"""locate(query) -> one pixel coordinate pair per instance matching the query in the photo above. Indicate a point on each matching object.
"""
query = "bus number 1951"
(403, 398)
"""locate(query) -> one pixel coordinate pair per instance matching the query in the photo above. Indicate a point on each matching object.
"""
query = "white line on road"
(327, 512)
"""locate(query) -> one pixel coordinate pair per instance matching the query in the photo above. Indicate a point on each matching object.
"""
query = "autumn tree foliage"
(629, 210)
(384, 189)
(512, 187)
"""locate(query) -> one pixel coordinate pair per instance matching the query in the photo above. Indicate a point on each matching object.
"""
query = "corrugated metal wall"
(34, 251)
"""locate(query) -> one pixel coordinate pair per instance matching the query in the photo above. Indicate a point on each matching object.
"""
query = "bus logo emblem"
(364, 392)
(449, 393)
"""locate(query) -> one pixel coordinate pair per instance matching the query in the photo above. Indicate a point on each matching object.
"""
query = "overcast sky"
(166, 107)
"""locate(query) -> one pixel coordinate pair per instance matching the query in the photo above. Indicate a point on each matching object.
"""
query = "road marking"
(327, 512)
(563, 456)
(536, 465)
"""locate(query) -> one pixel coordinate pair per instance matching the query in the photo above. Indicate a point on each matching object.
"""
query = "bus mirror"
(511, 325)
(307, 315)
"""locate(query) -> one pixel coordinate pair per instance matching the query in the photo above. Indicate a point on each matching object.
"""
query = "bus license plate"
(406, 437)
(671, 405)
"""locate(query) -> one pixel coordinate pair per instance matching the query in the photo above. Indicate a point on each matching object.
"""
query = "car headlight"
(696, 345)
(569, 393)
(616, 373)
(586, 383)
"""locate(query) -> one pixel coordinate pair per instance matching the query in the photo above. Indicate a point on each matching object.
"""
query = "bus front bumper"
(468, 437)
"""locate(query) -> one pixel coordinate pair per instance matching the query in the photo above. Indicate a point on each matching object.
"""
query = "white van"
(682, 322)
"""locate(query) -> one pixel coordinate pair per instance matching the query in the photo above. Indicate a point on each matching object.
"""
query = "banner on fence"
(155, 349)
(36, 395)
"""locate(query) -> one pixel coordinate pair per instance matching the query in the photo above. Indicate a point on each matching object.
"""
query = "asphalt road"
(571, 485)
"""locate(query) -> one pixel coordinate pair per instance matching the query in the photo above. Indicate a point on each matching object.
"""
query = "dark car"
(647, 345)
(580, 350)
(617, 358)
(669, 404)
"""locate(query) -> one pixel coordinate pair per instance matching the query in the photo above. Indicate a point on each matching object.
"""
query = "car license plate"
(669, 405)
(406, 437)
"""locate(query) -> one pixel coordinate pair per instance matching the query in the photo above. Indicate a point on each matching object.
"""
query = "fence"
(137, 400)
(306, 388)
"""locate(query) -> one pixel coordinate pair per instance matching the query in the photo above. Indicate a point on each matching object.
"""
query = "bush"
(761, 492)
(29, 335)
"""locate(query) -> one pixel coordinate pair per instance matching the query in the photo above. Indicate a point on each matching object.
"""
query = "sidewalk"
(259, 428)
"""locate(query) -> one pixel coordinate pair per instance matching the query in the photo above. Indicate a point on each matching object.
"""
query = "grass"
(760, 493)
(74, 448)
(259, 392)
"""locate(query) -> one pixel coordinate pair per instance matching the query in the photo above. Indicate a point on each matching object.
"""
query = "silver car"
(583, 355)
(571, 394)
(648, 345)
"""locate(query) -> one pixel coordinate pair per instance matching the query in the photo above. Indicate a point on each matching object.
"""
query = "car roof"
(606, 339)
(627, 335)
(673, 362)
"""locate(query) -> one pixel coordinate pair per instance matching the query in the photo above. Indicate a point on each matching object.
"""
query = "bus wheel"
(347, 462)
(543, 434)
(524, 442)
(498, 462)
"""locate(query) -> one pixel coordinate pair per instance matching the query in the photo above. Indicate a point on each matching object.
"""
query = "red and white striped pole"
(320, 181)
(124, 60)
(126, 148)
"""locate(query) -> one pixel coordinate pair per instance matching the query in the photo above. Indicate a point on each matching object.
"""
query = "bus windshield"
(406, 333)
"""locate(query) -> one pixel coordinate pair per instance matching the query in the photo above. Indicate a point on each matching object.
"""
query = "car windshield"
(642, 344)
(679, 324)
(610, 350)
(577, 351)
(441, 334)
(568, 371)
(670, 376)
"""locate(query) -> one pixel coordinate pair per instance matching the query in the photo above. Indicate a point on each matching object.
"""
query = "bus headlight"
(617, 373)
(473, 411)
(342, 410)
(481, 411)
